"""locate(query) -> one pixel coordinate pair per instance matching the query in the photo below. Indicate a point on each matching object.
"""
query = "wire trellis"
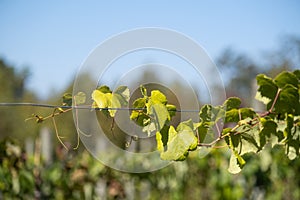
(78, 107)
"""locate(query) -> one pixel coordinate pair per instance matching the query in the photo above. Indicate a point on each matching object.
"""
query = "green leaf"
(160, 145)
(232, 103)
(288, 101)
(245, 139)
(139, 103)
(202, 131)
(233, 140)
(137, 115)
(266, 89)
(157, 97)
(123, 95)
(120, 97)
(157, 110)
(292, 135)
(269, 128)
(285, 78)
(80, 98)
(186, 125)
(160, 115)
(180, 141)
(102, 100)
(249, 143)
(67, 99)
(115, 104)
(233, 167)
(232, 116)
(211, 114)
(235, 115)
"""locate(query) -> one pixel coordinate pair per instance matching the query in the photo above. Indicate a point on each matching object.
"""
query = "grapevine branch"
(233, 130)
(61, 110)
(67, 108)
(152, 112)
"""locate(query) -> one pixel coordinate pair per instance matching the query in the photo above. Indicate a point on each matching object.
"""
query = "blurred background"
(42, 46)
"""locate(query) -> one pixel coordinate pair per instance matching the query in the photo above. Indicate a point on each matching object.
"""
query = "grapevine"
(240, 129)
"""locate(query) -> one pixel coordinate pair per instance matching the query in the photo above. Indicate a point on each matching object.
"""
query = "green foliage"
(276, 126)
(21, 174)
(180, 142)
(242, 130)
(75, 176)
(152, 112)
(281, 95)
(15, 177)
(104, 98)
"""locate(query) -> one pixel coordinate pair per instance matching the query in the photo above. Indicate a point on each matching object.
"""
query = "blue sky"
(54, 38)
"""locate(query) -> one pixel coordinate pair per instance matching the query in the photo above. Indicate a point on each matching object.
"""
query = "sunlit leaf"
(160, 145)
(136, 115)
(269, 127)
(233, 167)
(157, 97)
(123, 95)
(292, 137)
(211, 114)
(119, 98)
(103, 100)
(249, 144)
(160, 115)
(180, 141)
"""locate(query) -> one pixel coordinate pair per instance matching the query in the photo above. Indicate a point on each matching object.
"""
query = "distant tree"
(12, 87)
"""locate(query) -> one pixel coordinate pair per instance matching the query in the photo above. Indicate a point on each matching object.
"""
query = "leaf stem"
(275, 100)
